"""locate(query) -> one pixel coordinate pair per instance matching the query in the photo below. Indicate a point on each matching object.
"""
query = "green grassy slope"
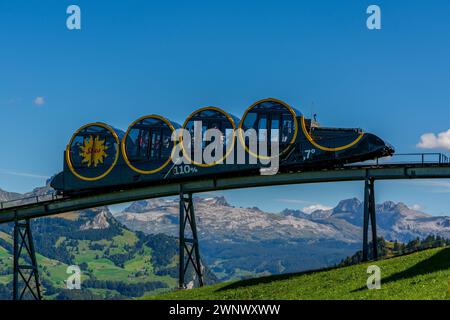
(114, 262)
(137, 269)
(421, 275)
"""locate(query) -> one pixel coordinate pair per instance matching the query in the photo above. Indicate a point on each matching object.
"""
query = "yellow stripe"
(308, 136)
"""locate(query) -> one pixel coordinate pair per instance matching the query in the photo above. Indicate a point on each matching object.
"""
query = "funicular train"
(99, 156)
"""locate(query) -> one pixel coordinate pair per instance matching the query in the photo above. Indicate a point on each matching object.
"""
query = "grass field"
(421, 275)
(97, 256)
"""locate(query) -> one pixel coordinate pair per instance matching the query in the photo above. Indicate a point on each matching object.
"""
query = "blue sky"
(140, 57)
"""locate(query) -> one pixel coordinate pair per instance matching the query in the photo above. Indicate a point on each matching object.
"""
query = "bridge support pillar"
(189, 250)
(25, 271)
(369, 216)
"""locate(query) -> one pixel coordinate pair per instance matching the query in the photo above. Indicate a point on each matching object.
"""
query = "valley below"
(134, 252)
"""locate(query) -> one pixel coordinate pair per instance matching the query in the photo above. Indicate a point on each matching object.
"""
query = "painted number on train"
(184, 169)
(308, 154)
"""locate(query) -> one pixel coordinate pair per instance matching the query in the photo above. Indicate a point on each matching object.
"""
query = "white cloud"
(39, 101)
(311, 206)
(416, 207)
(433, 141)
(314, 207)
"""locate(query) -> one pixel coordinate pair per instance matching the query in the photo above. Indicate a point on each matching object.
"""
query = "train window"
(143, 145)
(262, 127)
(275, 125)
(270, 114)
(250, 120)
(155, 150)
(210, 118)
(166, 149)
(148, 144)
(286, 128)
(205, 127)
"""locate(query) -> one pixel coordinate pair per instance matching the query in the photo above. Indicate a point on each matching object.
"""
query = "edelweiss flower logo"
(93, 151)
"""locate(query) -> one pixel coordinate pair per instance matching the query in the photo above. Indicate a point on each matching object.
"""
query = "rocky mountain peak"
(348, 205)
(386, 206)
(96, 219)
(7, 196)
(147, 205)
(138, 206)
(40, 191)
(214, 201)
(294, 213)
(402, 207)
(391, 207)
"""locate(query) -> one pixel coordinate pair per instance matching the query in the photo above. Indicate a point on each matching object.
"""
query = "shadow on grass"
(269, 279)
(437, 262)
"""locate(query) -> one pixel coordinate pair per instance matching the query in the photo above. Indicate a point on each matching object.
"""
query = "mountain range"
(288, 241)
(235, 242)
(115, 262)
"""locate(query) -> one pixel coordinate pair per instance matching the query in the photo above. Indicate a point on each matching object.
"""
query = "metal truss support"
(369, 216)
(189, 250)
(25, 264)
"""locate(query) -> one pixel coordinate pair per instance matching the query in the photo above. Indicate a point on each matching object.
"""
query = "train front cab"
(303, 141)
(337, 146)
